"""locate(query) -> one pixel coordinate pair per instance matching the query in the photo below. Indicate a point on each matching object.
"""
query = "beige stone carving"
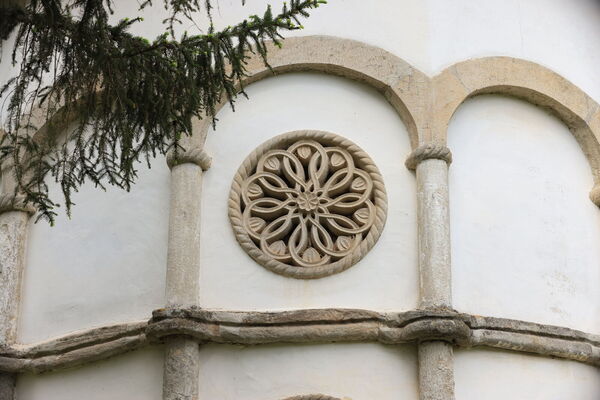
(307, 204)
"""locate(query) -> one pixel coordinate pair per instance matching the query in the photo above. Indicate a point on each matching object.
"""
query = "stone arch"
(425, 105)
(403, 86)
(525, 80)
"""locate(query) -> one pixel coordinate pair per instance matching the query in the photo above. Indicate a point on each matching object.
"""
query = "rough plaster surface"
(134, 376)
(496, 375)
(106, 265)
(277, 372)
(387, 277)
(524, 235)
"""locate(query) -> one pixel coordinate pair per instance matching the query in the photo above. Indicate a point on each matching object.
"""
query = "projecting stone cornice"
(303, 326)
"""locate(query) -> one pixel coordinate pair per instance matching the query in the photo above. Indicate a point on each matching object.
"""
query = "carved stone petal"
(254, 191)
(358, 185)
(311, 255)
(278, 248)
(272, 164)
(304, 153)
(361, 215)
(337, 161)
(343, 243)
(257, 224)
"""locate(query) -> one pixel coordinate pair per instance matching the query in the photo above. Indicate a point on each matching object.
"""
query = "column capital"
(426, 152)
(11, 202)
(193, 155)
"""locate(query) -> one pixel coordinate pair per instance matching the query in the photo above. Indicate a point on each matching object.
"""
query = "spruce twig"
(133, 99)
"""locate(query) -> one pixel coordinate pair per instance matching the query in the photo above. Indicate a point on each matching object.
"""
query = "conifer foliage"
(132, 98)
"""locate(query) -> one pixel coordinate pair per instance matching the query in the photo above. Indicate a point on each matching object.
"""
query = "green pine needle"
(133, 98)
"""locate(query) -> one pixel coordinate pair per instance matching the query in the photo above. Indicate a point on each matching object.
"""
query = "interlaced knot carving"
(308, 204)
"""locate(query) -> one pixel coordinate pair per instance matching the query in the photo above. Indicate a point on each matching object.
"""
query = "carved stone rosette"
(307, 204)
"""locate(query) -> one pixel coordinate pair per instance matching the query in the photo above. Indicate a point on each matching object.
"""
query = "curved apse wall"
(387, 278)
(525, 237)
(106, 265)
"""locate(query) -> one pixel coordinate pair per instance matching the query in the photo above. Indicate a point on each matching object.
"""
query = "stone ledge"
(303, 326)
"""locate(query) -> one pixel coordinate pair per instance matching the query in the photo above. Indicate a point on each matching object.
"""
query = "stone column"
(14, 218)
(182, 354)
(436, 370)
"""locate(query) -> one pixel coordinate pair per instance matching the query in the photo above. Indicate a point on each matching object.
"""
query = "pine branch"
(133, 99)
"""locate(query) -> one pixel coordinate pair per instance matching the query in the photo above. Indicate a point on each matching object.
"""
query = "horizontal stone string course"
(74, 349)
(302, 326)
(74, 358)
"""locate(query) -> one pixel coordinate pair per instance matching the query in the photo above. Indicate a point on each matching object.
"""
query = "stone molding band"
(427, 152)
(74, 349)
(193, 155)
(10, 202)
(303, 326)
(312, 397)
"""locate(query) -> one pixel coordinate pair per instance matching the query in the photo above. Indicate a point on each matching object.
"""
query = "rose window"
(308, 204)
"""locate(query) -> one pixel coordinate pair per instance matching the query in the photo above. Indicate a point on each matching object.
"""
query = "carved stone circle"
(307, 204)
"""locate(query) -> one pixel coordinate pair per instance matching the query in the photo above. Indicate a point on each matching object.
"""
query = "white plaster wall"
(400, 27)
(525, 236)
(133, 376)
(387, 278)
(105, 265)
(559, 34)
(494, 375)
(433, 34)
(348, 371)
